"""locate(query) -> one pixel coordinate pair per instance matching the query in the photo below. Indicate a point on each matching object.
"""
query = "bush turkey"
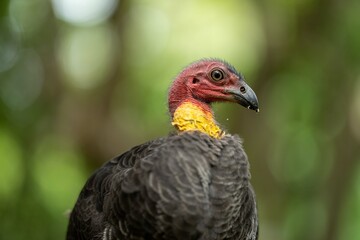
(190, 185)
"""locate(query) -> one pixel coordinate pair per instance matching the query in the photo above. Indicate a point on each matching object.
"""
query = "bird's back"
(186, 186)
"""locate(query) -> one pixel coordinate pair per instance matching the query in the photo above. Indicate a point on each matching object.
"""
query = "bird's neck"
(194, 116)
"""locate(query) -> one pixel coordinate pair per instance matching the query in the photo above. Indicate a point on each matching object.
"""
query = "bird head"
(211, 80)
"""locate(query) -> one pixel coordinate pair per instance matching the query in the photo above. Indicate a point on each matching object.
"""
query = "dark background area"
(84, 80)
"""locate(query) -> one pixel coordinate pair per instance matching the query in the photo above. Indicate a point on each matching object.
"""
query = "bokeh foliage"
(82, 81)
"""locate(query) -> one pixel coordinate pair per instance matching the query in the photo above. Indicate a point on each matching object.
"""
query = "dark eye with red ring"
(217, 74)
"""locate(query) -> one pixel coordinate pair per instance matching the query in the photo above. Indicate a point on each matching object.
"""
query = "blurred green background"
(84, 80)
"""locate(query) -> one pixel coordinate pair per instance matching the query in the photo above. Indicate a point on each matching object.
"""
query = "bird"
(192, 184)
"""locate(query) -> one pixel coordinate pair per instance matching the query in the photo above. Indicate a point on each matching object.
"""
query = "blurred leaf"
(296, 158)
(350, 217)
(305, 220)
(59, 174)
(10, 165)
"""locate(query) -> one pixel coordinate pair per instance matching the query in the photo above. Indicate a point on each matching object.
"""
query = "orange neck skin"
(190, 116)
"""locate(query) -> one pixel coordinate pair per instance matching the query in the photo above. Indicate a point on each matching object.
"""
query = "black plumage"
(188, 186)
(184, 186)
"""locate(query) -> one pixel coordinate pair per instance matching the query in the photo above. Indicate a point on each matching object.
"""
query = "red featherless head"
(211, 80)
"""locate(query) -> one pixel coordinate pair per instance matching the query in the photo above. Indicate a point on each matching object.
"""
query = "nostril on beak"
(242, 89)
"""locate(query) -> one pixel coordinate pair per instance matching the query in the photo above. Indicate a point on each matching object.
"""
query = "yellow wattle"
(190, 117)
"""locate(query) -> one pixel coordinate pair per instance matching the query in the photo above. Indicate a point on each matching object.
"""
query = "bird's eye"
(217, 75)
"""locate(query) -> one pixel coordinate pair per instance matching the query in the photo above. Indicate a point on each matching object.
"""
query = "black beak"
(245, 96)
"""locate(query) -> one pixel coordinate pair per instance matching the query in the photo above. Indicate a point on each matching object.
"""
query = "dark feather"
(186, 186)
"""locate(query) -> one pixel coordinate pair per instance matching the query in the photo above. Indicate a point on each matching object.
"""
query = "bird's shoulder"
(168, 181)
(164, 155)
(177, 164)
(173, 147)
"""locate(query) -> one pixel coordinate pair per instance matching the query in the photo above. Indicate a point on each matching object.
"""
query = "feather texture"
(186, 186)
